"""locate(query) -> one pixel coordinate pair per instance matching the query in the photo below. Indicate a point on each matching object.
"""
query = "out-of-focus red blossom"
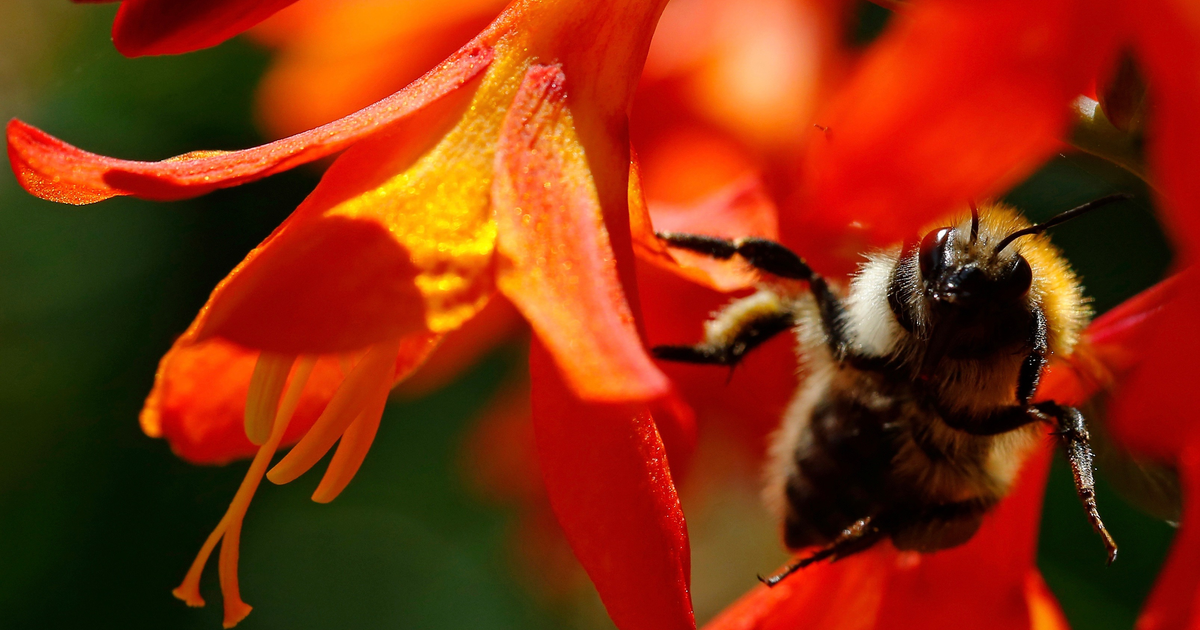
(333, 58)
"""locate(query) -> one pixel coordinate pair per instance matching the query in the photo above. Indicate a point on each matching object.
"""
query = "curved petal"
(557, 262)
(741, 209)
(52, 169)
(609, 483)
(1173, 604)
(168, 27)
(1111, 346)
(991, 580)
(199, 396)
(957, 100)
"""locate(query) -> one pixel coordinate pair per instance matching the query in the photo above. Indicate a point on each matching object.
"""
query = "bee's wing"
(1109, 349)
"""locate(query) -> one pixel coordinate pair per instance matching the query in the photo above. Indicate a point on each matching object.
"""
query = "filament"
(262, 401)
(231, 523)
(351, 451)
(373, 374)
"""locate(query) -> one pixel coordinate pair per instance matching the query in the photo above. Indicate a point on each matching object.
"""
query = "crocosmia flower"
(503, 171)
(505, 174)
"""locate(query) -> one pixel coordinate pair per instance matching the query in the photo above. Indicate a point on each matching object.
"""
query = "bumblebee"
(916, 409)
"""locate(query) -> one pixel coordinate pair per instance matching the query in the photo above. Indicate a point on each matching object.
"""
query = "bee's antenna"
(974, 222)
(1060, 218)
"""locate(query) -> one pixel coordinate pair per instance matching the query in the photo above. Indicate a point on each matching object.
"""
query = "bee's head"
(962, 273)
(970, 290)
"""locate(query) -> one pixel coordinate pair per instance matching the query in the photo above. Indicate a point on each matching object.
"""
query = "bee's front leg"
(775, 259)
(1073, 433)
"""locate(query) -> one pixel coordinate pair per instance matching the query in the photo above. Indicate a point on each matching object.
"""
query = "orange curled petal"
(199, 399)
(170, 27)
(607, 477)
(332, 58)
(557, 260)
(52, 169)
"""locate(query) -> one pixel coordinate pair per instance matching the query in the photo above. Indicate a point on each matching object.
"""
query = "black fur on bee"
(916, 410)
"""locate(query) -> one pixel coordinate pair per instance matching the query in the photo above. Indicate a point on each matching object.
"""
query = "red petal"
(607, 477)
(957, 101)
(742, 209)
(1111, 346)
(168, 27)
(990, 581)
(199, 396)
(557, 262)
(1173, 603)
(1168, 41)
(55, 170)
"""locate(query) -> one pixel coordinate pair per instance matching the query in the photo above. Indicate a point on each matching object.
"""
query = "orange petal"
(199, 399)
(557, 260)
(168, 27)
(609, 483)
(742, 209)
(1172, 604)
(381, 249)
(55, 170)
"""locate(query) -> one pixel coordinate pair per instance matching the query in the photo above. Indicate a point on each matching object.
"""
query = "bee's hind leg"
(741, 327)
(1072, 431)
(860, 536)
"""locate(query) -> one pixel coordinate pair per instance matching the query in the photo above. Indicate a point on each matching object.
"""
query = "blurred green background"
(99, 522)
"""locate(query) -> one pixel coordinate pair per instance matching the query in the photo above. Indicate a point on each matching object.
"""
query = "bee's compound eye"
(933, 251)
(1019, 280)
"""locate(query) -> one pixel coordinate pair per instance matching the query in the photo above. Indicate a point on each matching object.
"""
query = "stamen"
(351, 451)
(189, 589)
(235, 609)
(262, 401)
(372, 374)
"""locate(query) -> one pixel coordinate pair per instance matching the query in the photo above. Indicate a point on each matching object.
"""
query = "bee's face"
(975, 298)
(964, 275)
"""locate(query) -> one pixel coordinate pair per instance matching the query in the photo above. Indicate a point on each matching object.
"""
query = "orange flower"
(503, 171)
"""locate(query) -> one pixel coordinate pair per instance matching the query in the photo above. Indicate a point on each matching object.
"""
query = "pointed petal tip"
(57, 171)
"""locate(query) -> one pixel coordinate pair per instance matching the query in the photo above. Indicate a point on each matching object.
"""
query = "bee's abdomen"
(842, 467)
